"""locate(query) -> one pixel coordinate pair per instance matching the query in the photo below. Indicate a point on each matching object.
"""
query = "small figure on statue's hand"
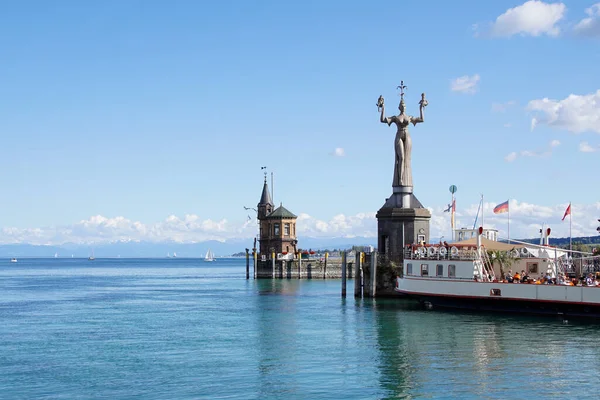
(380, 103)
(423, 102)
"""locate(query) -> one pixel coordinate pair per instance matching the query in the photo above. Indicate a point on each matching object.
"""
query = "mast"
(508, 221)
(570, 233)
(482, 210)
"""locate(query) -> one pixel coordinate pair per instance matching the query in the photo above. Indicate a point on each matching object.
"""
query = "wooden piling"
(344, 267)
(325, 266)
(254, 261)
(357, 282)
(273, 265)
(373, 274)
(299, 261)
(247, 264)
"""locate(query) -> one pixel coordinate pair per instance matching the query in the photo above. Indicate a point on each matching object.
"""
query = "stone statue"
(402, 144)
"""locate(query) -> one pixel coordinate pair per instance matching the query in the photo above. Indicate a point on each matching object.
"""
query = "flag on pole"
(448, 208)
(501, 208)
(567, 212)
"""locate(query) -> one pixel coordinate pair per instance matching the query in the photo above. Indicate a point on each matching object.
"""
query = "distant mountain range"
(195, 250)
(150, 249)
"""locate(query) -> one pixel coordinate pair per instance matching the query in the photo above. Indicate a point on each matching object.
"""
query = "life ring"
(454, 251)
(443, 251)
(422, 251)
(431, 251)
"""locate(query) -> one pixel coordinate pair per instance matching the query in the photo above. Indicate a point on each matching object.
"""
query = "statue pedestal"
(402, 220)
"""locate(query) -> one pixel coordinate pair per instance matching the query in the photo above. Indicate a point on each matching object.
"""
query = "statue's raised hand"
(423, 102)
(379, 103)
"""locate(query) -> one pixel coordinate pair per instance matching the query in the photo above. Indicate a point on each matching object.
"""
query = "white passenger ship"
(461, 275)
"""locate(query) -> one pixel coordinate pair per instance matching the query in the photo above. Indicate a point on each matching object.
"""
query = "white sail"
(209, 256)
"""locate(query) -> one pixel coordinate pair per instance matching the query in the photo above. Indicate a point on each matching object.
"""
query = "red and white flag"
(567, 212)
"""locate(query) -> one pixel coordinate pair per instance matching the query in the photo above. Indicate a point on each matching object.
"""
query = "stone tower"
(277, 227)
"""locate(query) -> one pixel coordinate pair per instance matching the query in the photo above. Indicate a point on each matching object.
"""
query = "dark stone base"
(397, 227)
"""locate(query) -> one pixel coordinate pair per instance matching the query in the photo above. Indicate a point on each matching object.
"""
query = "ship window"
(276, 229)
(408, 269)
(451, 271)
(439, 270)
(424, 269)
(286, 229)
(532, 268)
(495, 292)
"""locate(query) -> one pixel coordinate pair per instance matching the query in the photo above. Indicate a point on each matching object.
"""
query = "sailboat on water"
(209, 256)
(92, 258)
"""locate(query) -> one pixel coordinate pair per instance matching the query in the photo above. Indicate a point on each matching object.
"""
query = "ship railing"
(487, 265)
(436, 252)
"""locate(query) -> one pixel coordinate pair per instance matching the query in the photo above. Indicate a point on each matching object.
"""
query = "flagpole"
(452, 216)
(570, 235)
(482, 210)
(508, 221)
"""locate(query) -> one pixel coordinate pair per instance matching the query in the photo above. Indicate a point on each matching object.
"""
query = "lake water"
(187, 329)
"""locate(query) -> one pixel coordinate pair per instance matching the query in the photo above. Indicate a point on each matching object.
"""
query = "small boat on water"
(209, 256)
(14, 259)
(463, 276)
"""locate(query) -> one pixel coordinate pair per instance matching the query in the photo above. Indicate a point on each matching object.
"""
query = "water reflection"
(395, 355)
(444, 354)
(277, 336)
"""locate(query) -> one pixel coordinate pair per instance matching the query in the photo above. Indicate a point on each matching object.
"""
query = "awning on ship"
(489, 244)
(539, 252)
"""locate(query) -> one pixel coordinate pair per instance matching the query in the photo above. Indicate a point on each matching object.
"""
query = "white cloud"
(338, 152)
(511, 157)
(361, 224)
(589, 26)
(531, 153)
(465, 84)
(576, 113)
(526, 219)
(533, 123)
(585, 147)
(502, 107)
(507, 125)
(533, 18)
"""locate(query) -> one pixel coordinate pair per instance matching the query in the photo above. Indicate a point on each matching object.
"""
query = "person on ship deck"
(517, 278)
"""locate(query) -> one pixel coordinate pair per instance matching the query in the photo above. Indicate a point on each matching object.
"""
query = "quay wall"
(306, 269)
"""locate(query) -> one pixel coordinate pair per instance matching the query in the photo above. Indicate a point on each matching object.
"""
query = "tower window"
(286, 229)
(276, 229)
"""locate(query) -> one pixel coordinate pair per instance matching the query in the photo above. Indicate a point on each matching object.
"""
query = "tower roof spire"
(265, 197)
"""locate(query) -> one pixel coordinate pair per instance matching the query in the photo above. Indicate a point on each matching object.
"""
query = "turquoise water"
(186, 329)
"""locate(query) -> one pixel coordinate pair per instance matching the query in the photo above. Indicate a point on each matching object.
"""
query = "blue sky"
(150, 116)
